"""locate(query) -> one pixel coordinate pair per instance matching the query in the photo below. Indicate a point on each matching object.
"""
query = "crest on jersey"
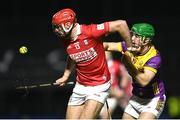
(85, 42)
(100, 26)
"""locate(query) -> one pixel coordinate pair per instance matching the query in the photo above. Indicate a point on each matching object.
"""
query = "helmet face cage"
(144, 31)
(64, 18)
(60, 30)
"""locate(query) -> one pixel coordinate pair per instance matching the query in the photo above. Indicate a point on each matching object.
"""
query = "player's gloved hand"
(62, 81)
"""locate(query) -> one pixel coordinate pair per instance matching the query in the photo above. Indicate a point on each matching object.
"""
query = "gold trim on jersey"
(143, 59)
(150, 68)
(120, 47)
(140, 60)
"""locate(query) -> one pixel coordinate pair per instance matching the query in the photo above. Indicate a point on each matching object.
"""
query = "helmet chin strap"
(145, 40)
(67, 30)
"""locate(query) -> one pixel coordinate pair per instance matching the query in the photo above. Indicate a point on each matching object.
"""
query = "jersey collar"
(78, 31)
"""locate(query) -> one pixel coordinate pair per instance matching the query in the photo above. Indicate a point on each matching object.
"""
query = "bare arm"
(142, 76)
(111, 46)
(69, 67)
(122, 28)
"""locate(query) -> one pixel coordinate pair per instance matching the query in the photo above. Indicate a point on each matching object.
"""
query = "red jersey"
(116, 71)
(88, 53)
(114, 68)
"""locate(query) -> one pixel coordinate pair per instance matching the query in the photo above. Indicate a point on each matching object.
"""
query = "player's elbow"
(105, 45)
(117, 25)
(121, 24)
(143, 81)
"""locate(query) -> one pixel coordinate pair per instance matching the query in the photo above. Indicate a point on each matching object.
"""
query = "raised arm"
(113, 46)
(122, 28)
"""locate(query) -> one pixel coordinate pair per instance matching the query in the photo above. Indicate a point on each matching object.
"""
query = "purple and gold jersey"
(151, 61)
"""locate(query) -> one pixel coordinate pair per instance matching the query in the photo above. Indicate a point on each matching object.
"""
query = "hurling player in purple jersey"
(143, 62)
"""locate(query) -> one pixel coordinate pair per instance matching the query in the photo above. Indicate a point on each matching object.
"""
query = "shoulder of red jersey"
(95, 30)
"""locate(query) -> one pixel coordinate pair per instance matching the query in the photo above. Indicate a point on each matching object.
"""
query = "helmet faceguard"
(65, 19)
(144, 30)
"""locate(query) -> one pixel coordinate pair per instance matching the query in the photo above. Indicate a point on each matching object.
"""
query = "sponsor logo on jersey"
(84, 55)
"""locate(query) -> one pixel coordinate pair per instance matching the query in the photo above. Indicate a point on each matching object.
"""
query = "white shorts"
(82, 93)
(138, 105)
(112, 103)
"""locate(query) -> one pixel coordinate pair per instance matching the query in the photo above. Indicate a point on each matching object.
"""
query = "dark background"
(28, 23)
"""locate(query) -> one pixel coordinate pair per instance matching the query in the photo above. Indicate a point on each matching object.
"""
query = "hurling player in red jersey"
(121, 86)
(86, 53)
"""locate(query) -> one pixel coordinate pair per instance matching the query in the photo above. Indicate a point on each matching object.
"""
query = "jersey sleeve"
(99, 30)
(122, 47)
(153, 64)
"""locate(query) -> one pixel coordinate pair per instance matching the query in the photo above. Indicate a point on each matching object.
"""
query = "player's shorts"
(112, 103)
(138, 105)
(82, 93)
